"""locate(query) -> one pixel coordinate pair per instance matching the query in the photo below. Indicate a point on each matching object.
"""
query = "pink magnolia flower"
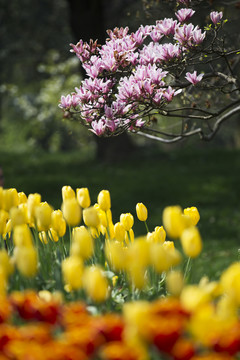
(216, 16)
(193, 77)
(184, 14)
(66, 102)
(166, 26)
(98, 127)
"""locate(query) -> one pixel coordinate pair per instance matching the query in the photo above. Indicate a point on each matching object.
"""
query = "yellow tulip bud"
(22, 236)
(43, 237)
(67, 193)
(72, 270)
(95, 284)
(18, 216)
(141, 211)
(104, 200)
(6, 263)
(193, 213)
(83, 197)
(32, 202)
(26, 260)
(10, 198)
(91, 217)
(22, 198)
(127, 221)
(58, 223)
(53, 235)
(191, 242)
(174, 221)
(159, 234)
(174, 282)
(230, 283)
(82, 243)
(119, 232)
(72, 212)
(43, 214)
(3, 221)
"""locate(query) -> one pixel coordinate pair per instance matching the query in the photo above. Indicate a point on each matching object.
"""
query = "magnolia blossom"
(132, 73)
(193, 77)
(216, 16)
(184, 14)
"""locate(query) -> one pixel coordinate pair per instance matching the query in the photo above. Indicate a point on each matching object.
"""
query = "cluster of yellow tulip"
(96, 246)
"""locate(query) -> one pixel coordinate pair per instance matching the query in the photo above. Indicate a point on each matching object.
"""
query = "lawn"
(190, 177)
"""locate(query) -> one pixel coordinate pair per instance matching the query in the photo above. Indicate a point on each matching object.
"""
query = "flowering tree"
(169, 69)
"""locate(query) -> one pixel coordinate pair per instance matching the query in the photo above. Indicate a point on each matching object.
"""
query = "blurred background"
(40, 151)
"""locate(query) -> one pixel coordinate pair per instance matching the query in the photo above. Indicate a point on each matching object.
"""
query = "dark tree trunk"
(88, 22)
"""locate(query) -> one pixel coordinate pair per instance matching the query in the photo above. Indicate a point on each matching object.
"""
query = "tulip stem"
(188, 268)
(146, 225)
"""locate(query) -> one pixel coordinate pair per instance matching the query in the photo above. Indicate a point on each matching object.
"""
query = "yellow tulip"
(173, 221)
(32, 202)
(26, 260)
(6, 263)
(192, 297)
(139, 252)
(95, 284)
(10, 198)
(53, 235)
(137, 276)
(91, 217)
(159, 234)
(104, 200)
(159, 258)
(58, 223)
(127, 221)
(22, 236)
(116, 255)
(4, 216)
(141, 211)
(191, 242)
(83, 197)
(72, 212)
(67, 193)
(18, 216)
(119, 232)
(82, 245)
(230, 282)
(43, 214)
(174, 282)
(72, 270)
(22, 198)
(193, 213)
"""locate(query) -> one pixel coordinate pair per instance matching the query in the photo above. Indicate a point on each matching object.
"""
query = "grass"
(190, 177)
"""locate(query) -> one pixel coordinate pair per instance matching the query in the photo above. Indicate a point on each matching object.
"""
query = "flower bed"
(97, 291)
